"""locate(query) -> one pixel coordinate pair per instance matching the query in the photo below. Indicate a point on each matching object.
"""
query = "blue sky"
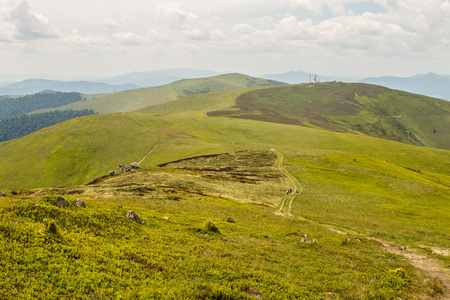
(353, 38)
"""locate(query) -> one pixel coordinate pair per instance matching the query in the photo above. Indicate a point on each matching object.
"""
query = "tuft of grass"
(211, 226)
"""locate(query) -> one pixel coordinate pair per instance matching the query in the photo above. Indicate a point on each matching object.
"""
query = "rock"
(135, 165)
(112, 172)
(230, 220)
(166, 218)
(55, 200)
(61, 202)
(2, 194)
(80, 203)
(133, 216)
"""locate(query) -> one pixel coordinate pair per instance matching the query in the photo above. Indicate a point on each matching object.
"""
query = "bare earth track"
(296, 191)
(415, 257)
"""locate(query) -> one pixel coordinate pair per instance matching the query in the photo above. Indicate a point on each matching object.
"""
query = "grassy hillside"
(196, 247)
(132, 100)
(340, 170)
(350, 107)
(199, 171)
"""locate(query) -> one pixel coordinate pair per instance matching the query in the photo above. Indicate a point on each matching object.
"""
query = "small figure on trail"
(296, 193)
(290, 191)
(287, 192)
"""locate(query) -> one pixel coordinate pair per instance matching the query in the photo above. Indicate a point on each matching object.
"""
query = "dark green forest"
(10, 106)
(18, 126)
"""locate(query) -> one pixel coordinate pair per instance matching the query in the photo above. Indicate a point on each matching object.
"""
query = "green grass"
(95, 252)
(137, 99)
(350, 107)
(205, 169)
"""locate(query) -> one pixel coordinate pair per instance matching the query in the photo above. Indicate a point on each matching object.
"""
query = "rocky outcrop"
(124, 168)
(133, 216)
(2, 194)
(80, 203)
(61, 202)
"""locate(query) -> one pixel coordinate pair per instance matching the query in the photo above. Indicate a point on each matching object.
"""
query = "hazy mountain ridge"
(430, 84)
(32, 86)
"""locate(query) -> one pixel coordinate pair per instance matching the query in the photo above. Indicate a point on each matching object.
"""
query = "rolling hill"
(158, 77)
(139, 98)
(350, 107)
(199, 169)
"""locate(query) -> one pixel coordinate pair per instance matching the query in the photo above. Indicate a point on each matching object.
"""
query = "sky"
(100, 38)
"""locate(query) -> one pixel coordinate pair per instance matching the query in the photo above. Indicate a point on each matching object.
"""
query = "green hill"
(350, 107)
(198, 170)
(132, 100)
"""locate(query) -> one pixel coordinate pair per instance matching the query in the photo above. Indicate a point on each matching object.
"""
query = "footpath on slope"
(422, 261)
(291, 194)
(148, 153)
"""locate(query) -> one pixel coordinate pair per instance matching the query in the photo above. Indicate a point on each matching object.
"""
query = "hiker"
(296, 193)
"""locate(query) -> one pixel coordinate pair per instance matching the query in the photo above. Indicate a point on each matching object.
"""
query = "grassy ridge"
(370, 177)
(133, 100)
(350, 107)
(356, 183)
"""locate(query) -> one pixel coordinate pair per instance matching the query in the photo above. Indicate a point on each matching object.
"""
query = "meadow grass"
(95, 252)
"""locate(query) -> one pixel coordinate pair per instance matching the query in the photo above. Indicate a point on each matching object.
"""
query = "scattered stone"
(80, 203)
(306, 239)
(230, 220)
(120, 206)
(124, 168)
(133, 216)
(135, 165)
(2, 194)
(166, 218)
(56, 200)
(349, 240)
(61, 202)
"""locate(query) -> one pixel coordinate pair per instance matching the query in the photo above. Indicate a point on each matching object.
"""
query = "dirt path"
(296, 191)
(417, 258)
(422, 261)
(143, 157)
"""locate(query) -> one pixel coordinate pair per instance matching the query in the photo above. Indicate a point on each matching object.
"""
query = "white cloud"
(192, 25)
(129, 39)
(306, 6)
(23, 23)
(168, 31)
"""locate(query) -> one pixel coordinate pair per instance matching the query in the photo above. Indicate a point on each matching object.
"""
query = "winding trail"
(143, 157)
(289, 197)
(419, 259)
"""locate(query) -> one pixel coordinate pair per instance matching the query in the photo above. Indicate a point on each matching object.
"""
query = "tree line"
(12, 106)
(18, 126)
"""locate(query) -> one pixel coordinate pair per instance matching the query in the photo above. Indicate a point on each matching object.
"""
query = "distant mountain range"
(119, 83)
(431, 84)
(31, 86)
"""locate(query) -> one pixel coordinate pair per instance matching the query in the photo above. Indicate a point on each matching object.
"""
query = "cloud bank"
(335, 34)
